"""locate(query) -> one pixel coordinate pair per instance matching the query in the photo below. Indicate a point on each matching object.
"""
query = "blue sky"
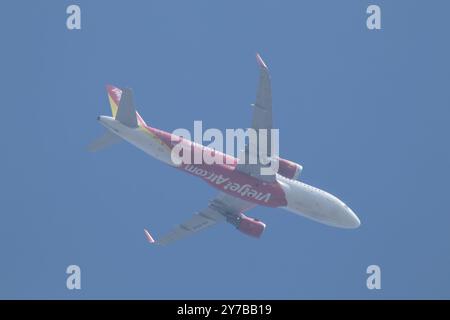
(365, 112)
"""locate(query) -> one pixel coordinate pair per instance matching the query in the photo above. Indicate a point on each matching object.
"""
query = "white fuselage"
(299, 197)
(316, 204)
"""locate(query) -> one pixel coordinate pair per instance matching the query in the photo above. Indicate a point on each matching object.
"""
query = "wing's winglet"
(149, 236)
(260, 61)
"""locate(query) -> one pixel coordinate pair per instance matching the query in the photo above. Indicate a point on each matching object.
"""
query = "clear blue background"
(365, 112)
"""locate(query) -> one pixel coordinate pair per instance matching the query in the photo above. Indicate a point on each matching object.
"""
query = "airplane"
(241, 186)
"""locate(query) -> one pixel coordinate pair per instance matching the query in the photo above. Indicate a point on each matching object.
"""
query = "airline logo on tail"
(114, 95)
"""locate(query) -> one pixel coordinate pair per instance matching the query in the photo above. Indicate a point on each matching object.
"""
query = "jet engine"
(289, 169)
(250, 226)
(247, 225)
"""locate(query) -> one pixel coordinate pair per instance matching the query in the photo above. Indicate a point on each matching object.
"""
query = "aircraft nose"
(351, 219)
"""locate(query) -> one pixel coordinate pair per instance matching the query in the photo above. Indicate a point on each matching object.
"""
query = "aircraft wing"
(217, 211)
(262, 119)
(262, 108)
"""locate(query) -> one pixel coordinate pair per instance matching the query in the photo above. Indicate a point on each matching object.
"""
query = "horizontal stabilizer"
(107, 139)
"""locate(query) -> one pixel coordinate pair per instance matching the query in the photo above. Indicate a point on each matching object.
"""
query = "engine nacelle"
(250, 226)
(289, 169)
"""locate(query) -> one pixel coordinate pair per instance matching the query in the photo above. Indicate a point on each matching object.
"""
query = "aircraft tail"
(126, 113)
(123, 110)
(107, 139)
(115, 96)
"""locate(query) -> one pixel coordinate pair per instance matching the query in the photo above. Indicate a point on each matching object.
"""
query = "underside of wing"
(262, 124)
(220, 209)
(199, 221)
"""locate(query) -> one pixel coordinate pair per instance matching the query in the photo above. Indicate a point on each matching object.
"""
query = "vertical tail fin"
(127, 111)
(115, 97)
(123, 110)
